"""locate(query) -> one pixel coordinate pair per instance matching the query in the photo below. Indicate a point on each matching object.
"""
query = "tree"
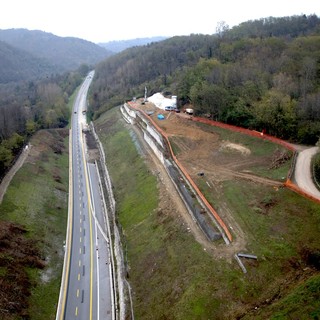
(276, 113)
(308, 73)
(31, 127)
(222, 28)
(210, 99)
(6, 158)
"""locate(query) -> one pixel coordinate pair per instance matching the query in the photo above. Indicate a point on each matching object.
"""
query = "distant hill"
(17, 65)
(65, 53)
(118, 46)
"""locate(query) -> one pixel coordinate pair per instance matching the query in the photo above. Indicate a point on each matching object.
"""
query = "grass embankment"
(174, 278)
(36, 202)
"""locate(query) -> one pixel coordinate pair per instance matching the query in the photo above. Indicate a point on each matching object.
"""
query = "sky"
(107, 20)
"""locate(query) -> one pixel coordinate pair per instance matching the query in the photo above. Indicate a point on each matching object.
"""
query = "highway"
(86, 288)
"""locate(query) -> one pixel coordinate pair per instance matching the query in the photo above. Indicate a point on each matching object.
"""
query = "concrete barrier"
(220, 223)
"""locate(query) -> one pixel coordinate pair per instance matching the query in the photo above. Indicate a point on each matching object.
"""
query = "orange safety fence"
(195, 187)
(252, 133)
(290, 185)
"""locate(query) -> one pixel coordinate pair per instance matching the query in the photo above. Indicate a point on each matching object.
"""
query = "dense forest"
(263, 74)
(39, 72)
(32, 105)
(61, 53)
(120, 45)
(19, 65)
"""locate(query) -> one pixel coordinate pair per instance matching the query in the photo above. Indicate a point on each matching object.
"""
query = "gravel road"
(303, 175)
(8, 177)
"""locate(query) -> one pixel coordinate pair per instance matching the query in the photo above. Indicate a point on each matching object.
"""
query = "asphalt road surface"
(303, 174)
(87, 289)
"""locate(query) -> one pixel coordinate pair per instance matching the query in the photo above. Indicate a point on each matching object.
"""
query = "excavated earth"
(203, 152)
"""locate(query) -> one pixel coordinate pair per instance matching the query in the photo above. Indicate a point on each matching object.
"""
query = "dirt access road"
(303, 175)
(8, 177)
(203, 151)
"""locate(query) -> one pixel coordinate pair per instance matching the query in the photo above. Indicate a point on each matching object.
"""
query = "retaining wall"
(155, 135)
(219, 222)
(130, 112)
(126, 116)
(154, 147)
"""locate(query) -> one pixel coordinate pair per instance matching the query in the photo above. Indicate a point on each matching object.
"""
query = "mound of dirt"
(226, 145)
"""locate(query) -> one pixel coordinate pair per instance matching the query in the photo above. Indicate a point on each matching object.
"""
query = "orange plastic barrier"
(212, 210)
(245, 131)
(289, 184)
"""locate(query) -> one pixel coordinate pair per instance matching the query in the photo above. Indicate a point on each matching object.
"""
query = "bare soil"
(17, 252)
(202, 152)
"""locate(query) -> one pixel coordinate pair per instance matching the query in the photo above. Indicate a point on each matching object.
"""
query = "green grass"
(37, 199)
(305, 296)
(259, 149)
(173, 277)
(70, 105)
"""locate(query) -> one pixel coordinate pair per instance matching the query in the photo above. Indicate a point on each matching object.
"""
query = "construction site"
(196, 155)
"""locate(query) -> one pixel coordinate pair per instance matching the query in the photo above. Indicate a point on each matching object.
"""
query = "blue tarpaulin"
(160, 116)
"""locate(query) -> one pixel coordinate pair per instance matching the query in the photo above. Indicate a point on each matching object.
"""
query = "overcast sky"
(107, 20)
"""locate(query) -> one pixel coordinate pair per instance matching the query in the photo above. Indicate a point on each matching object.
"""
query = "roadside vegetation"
(173, 277)
(30, 106)
(32, 230)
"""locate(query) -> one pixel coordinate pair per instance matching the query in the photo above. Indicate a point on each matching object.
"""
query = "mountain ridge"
(117, 46)
(64, 53)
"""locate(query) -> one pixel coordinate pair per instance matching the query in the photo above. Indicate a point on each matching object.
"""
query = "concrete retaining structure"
(160, 144)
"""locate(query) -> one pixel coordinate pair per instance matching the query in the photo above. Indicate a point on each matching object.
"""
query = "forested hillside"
(64, 53)
(262, 74)
(120, 45)
(19, 65)
(34, 90)
(29, 106)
